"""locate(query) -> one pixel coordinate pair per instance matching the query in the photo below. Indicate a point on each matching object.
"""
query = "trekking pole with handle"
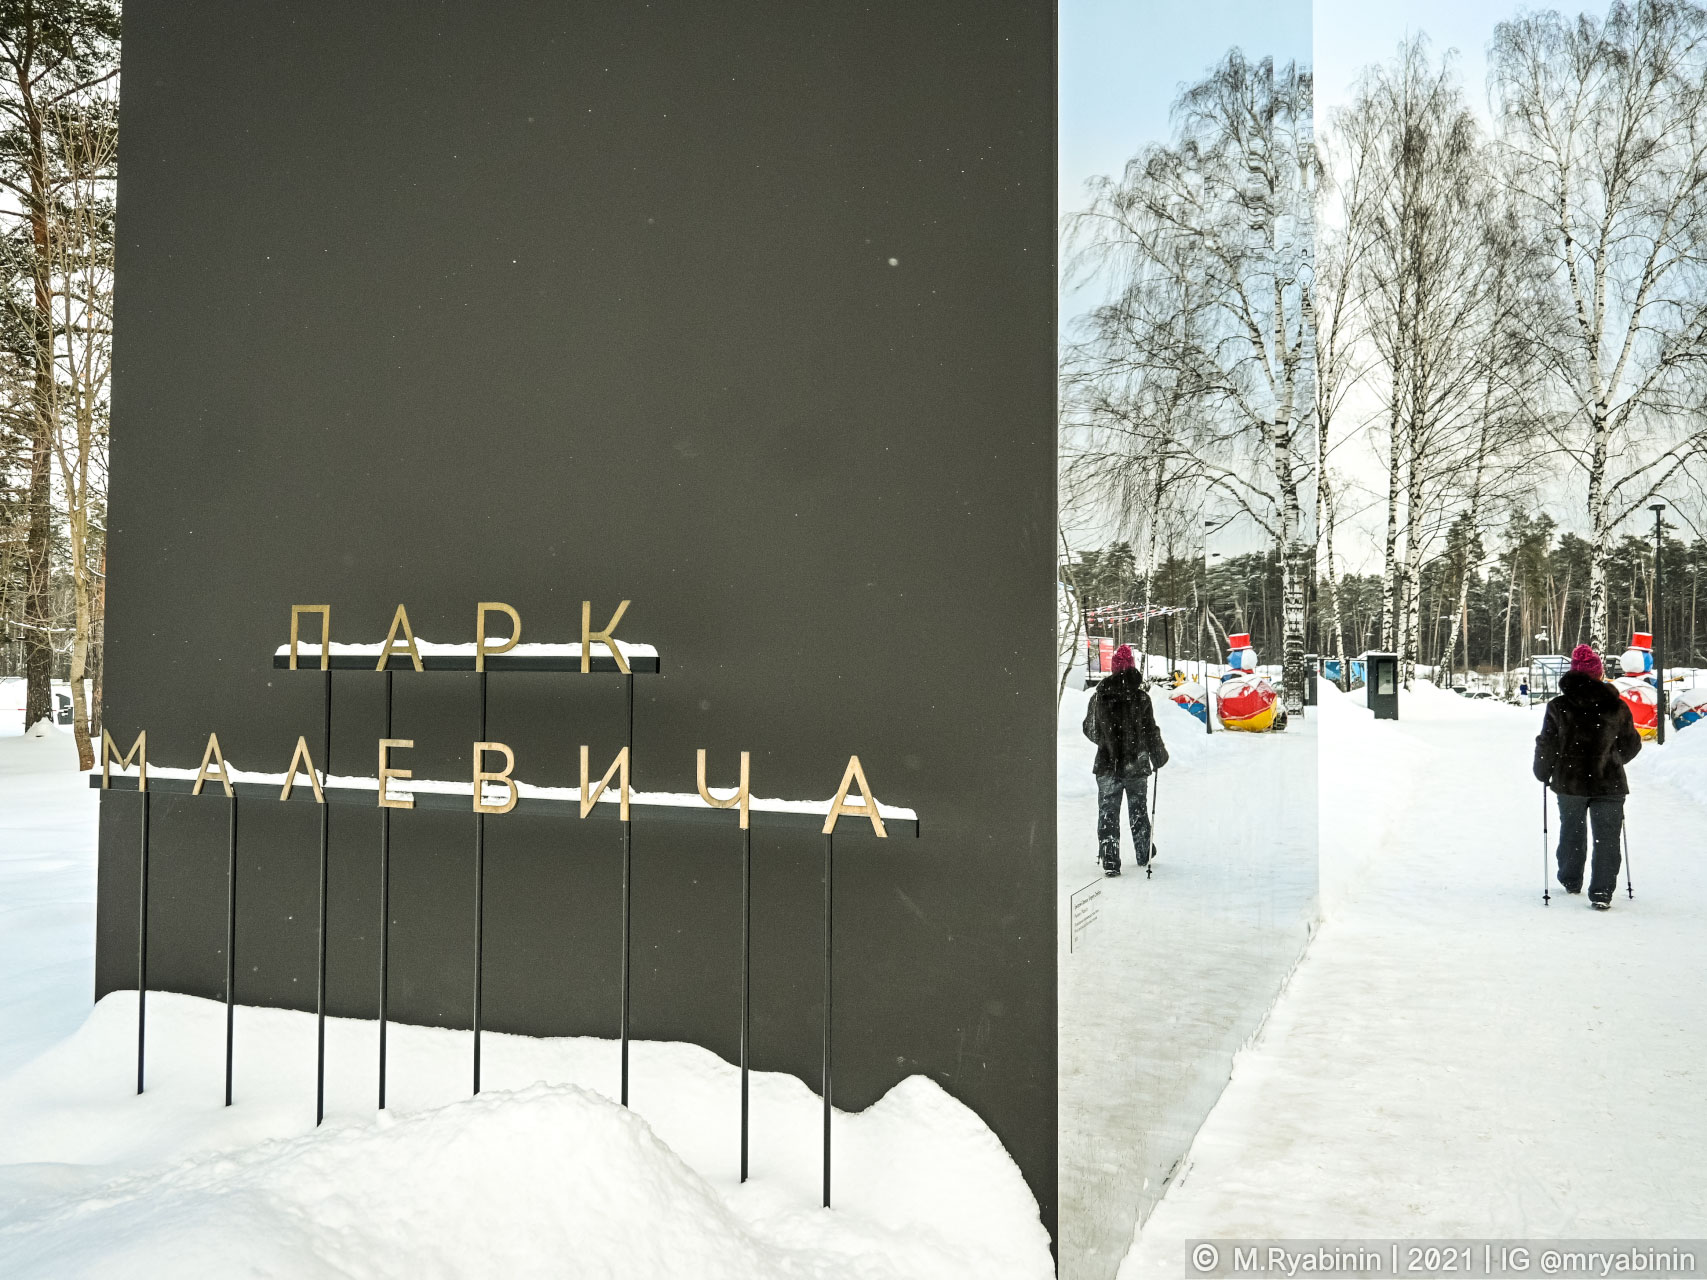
(1546, 900)
(1629, 888)
(1155, 798)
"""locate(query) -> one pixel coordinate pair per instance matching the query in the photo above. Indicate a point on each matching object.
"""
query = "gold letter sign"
(325, 612)
(301, 757)
(588, 801)
(202, 775)
(840, 804)
(139, 748)
(401, 619)
(480, 650)
(386, 771)
(588, 635)
(481, 778)
(740, 797)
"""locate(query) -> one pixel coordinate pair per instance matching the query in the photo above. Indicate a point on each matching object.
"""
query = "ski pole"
(1155, 798)
(1629, 888)
(1546, 900)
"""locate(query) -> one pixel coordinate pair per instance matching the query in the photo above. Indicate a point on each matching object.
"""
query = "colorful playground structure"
(1636, 685)
(1687, 707)
(1248, 703)
(1245, 702)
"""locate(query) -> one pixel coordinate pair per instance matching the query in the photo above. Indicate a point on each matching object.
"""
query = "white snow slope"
(47, 892)
(1180, 968)
(541, 1175)
(1452, 1059)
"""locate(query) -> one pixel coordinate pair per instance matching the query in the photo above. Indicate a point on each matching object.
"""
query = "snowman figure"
(1636, 686)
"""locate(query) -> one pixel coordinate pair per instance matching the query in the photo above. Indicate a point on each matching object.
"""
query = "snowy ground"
(47, 893)
(542, 1175)
(1451, 1059)
(1180, 969)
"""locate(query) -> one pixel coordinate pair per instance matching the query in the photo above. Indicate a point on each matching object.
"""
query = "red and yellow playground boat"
(1247, 702)
(1636, 685)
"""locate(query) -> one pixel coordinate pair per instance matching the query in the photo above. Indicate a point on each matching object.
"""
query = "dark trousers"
(1109, 791)
(1577, 814)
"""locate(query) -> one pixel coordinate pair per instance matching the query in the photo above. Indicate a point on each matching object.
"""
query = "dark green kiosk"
(1381, 684)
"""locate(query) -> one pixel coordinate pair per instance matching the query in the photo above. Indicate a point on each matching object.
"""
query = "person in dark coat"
(1121, 721)
(1587, 737)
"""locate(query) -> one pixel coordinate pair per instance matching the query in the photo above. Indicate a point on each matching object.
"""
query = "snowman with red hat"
(1636, 686)
(1248, 703)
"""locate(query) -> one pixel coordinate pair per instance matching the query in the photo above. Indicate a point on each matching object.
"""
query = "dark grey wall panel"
(536, 302)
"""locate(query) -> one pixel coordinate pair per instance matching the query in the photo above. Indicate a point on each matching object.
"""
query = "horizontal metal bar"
(528, 806)
(639, 664)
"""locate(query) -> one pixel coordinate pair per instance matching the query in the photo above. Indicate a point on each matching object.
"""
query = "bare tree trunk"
(38, 611)
(97, 654)
(1510, 591)
(1390, 558)
(1336, 624)
(1600, 544)
(1072, 631)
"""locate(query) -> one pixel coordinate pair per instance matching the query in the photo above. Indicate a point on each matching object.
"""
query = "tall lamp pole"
(1209, 632)
(1659, 625)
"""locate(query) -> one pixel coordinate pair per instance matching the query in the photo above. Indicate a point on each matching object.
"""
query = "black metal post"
(627, 899)
(1659, 627)
(384, 911)
(746, 978)
(829, 1006)
(230, 948)
(479, 899)
(142, 947)
(320, 969)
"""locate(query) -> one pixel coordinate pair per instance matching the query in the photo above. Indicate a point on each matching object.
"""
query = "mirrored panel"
(1189, 619)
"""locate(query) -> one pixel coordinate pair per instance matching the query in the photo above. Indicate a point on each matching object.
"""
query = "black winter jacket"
(1587, 738)
(1121, 721)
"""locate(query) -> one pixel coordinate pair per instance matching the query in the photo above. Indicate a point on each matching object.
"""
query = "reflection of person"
(1587, 737)
(1121, 721)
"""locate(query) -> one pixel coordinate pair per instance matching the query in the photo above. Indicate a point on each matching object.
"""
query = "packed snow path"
(1451, 1059)
(1180, 968)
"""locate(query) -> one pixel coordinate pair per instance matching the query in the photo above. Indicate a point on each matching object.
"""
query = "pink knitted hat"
(1122, 660)
(1587, 661)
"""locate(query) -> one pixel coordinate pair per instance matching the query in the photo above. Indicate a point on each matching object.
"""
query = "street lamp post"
(1659, 625)
(1209, 632)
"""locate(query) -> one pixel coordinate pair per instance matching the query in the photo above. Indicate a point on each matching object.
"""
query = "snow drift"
(544, 1175)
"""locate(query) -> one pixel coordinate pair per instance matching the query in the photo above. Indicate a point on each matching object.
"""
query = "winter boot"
(1111, 866)
(1600, 901)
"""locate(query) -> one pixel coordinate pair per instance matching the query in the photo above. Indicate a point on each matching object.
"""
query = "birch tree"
(1411, 143)
(50, 52)
(80, 251)
(1229, 208)
(1604, 126)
